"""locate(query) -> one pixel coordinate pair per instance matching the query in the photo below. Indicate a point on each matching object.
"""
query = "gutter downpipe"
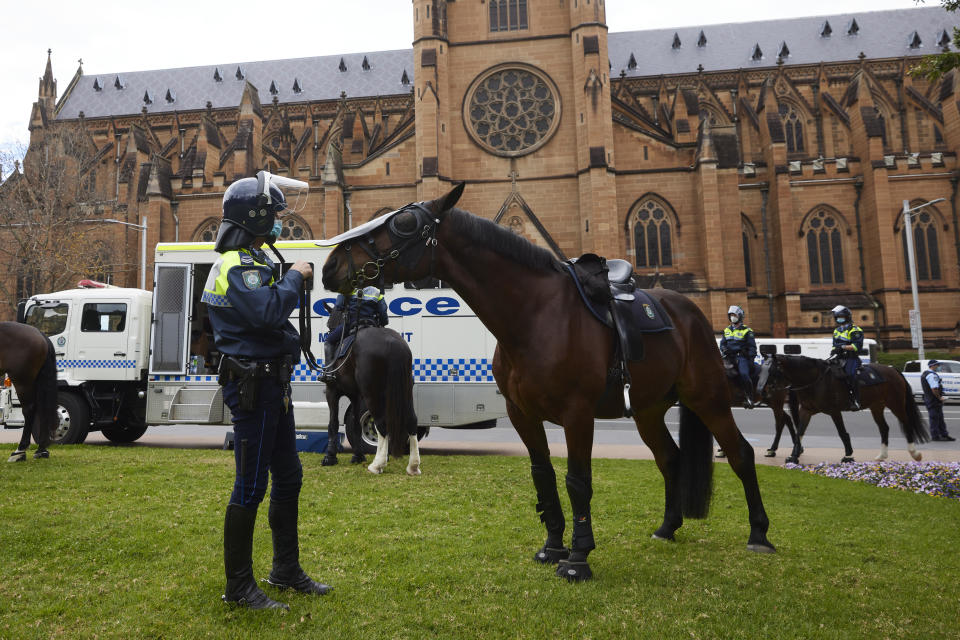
(858, 185)
(176, 221)
(764, 191)
(954, 181)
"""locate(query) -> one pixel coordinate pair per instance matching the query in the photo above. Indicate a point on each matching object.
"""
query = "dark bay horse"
(775, 394)
(376, 373)
(819, 390)
(28, 357)
(552, 360)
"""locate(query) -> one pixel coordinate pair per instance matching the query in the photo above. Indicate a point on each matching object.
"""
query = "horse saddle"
(343, 347)
(608, 290)
(866, 375)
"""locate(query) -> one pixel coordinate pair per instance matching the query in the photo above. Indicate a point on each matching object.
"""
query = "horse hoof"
(375, 469)
(549, 555)
(720, 454)
(916, 455)
(41, 454)
(17, 456)
(846, 459)
(880, 457)
(770, 453)
(657, 536)
(574, 571)
(761, 547)
(792, 460)
(328, 461)
(358, 458)
(413, 471)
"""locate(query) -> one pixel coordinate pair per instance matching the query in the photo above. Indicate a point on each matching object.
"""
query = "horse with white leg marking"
(552, 363)
(28, 357)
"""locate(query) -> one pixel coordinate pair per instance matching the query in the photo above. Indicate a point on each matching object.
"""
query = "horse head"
(395, 247)
(768, 371)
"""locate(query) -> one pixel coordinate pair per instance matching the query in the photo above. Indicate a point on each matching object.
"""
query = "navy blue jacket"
(738, 341)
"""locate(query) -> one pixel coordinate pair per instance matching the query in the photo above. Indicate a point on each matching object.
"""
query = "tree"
(933, 67)
(45, 243)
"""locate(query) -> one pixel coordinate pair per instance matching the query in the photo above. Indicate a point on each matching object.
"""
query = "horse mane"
(502, 241)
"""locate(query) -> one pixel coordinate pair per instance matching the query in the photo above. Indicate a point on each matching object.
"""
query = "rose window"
(512, 110)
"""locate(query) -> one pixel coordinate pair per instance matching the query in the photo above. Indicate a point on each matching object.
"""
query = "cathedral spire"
(48, 86)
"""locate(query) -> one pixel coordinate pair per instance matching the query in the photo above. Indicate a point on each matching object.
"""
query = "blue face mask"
(277, 228)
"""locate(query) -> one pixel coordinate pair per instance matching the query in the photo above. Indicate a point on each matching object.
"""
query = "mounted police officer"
(249, 307)
(363, 308)
(847, 346)
(739, 347)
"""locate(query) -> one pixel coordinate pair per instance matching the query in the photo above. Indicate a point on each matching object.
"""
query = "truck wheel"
(363, 439)
(73, 419)
(130, 425)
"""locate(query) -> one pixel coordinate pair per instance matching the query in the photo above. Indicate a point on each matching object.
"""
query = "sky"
(121, 36)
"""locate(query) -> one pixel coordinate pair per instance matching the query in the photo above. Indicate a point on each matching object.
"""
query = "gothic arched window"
(711, 115)
(206, 231)
(508, 15)
(652, 224)
(882, 121)
(824, 242)
(792, 127)
(926, 246)
(294, 228)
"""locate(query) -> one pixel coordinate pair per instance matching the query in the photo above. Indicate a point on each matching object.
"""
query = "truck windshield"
(50, 320)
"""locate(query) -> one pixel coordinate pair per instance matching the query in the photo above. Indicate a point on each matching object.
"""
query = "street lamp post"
(142, 228)
(915, 325)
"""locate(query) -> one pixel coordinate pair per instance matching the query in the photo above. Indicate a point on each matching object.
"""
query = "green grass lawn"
(126, 542)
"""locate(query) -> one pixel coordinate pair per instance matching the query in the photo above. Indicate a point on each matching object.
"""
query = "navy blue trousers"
(938, 428)
(745, 368)
(850, 366)
(264, 440)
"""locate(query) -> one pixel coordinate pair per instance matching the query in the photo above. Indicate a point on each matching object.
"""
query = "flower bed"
(938, 479)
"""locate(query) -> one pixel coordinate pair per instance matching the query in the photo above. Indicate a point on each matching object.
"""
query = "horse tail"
(45, 408)
(696, 464)
(913, 428)
(399, 414)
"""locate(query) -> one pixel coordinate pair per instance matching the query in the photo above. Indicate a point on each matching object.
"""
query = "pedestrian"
(933, 398)
(249, 308)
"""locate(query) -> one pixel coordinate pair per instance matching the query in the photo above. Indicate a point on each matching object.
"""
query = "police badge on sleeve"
(252, 279)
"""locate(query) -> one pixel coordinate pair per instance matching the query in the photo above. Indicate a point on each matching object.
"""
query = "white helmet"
(734, 310)
(841, 314)
(369, 293)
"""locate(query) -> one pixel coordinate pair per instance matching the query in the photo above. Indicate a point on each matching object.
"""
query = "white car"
(949, 376)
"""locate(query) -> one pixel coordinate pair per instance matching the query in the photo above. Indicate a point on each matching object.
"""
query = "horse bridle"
(424, 230)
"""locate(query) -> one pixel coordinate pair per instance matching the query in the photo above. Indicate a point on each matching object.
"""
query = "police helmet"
(250, 206)
(734, 310)
(369, 293)
(841, 314)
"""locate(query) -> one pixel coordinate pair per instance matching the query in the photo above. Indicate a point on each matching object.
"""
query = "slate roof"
(879, 34)
(319, 79)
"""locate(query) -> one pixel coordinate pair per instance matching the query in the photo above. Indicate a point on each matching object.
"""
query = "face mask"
(841, 320)
(733, 319)
(277, 228)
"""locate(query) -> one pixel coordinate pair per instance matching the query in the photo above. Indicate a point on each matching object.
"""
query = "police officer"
(847, 345)
(363, 308)
(739, 346)
(933, 398)
(249, 307)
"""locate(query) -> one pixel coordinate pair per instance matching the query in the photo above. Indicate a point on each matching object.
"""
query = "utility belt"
(247, 373)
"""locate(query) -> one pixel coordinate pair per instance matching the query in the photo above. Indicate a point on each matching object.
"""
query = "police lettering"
(405, 306)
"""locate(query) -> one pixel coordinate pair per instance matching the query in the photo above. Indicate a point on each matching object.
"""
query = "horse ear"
(446, 202)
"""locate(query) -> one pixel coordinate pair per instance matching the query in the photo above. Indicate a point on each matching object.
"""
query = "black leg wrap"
(287, 572)
(548, 503)
(580, 494)
(329, 460)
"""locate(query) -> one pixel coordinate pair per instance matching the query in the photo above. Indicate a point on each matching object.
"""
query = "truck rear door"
(170, 326)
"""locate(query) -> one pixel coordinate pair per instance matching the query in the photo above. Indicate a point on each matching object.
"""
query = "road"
(618, 438)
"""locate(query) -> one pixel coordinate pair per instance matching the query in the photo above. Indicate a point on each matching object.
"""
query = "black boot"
(854, 394)
(287, 572)
(747, 389)
(242, 589)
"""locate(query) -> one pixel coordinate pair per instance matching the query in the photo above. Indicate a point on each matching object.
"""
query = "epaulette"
(246, 258)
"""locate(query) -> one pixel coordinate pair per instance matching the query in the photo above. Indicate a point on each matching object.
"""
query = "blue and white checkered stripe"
(96, 364)
(424, 370)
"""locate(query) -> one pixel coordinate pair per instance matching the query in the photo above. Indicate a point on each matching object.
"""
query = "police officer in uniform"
(933, 398)
(249, 307)
(363, 308)
(847, 345)
(739, 346)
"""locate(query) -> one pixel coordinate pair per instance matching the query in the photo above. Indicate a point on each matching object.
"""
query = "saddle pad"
(636, 317)
(867, 376)
(345, 346)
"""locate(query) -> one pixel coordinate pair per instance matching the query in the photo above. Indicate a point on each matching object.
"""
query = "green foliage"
(125, 542)
(899, 358)
(933, 67)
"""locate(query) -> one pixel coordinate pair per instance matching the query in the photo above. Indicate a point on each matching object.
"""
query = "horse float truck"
(128, 358)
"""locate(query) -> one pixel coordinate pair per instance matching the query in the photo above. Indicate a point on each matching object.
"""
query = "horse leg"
(653, 431)
(844, 437)
(741, 459)
(333, 428)
(28, 409)
(794, 456)
(778, 416)
(413, 464)
(877, 412)
(383, 447)
(534, 438)
(579, 435)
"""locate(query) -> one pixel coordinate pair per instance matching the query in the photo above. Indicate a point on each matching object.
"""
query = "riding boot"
(747, 395)
(242, 589)
(287, 572)
(854, 394)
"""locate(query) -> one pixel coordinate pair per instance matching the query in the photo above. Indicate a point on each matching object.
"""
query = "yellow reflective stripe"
(231, 259)
(739, 334)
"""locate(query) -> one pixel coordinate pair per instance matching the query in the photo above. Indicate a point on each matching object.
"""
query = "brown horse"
(819, 389)
(552, 361)
(774, 395)
(27, 356)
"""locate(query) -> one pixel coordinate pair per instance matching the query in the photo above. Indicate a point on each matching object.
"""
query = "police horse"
(819, 388)
(774, 394)
(552, 363)
(374, 371)
(28, 357)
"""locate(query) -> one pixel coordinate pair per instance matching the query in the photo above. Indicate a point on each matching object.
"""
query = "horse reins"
(305, 319)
